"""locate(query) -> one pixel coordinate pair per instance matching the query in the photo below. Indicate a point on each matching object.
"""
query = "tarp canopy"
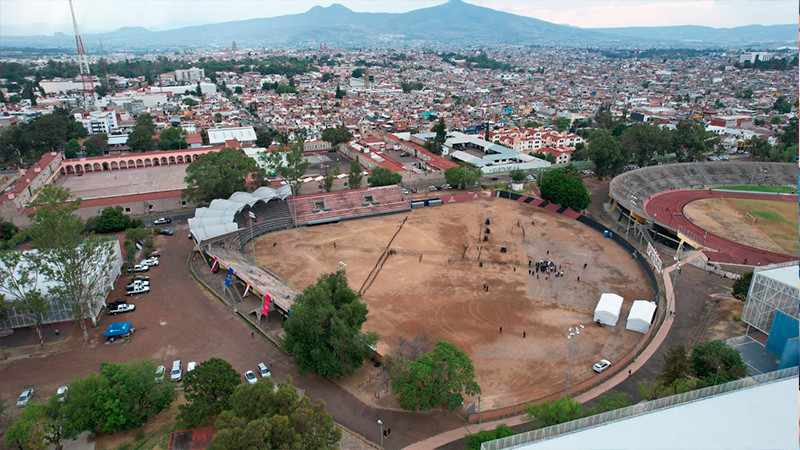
(641, 316)
(608, 308)
(118, 329)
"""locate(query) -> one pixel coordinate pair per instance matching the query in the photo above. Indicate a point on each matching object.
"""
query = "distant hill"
(451, 23)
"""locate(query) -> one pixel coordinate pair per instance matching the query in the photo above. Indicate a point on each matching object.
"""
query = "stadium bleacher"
(317, 208)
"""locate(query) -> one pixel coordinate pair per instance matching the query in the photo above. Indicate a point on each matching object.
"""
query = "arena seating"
(315, 208)
(632, 188)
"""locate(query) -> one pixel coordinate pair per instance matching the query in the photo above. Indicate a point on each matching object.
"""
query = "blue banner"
(228, 278)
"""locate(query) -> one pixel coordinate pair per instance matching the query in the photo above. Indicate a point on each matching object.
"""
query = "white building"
(98, 121)
(773, 288)
(190, 75)
(245, 135)
(752, 57)
(489, 157)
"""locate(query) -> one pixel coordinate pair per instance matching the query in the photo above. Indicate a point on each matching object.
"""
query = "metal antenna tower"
(83, 62)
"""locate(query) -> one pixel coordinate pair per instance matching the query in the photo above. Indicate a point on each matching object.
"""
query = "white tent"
(641, 316)
(608, 308)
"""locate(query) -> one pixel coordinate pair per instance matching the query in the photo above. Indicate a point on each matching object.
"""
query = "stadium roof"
(786, 274)
(763, 416)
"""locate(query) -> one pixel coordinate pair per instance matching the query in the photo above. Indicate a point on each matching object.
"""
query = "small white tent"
(641, 316)
(608, 308)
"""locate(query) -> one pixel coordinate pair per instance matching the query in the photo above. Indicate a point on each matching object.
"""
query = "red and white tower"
(83, 62)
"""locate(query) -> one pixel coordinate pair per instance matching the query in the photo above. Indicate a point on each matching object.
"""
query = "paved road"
(179, 320)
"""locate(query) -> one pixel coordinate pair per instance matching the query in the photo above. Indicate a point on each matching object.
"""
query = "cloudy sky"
(25, 17)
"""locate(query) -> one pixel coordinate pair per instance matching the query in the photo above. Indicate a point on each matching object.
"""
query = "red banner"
(266, 304)
(214, 264)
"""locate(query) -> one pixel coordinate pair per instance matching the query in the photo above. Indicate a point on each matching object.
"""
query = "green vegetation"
(96, 145)
(288, 162)
(553, 412)
(22, 285)
(474, 441)
(111, 219)
(564, 187)
(27, 142)
(141, 138)
(354, 177)
(479, 61)
(208, 389)
(263, 418)
(172, 139)
(220, 174)
(742, 286)
(435, 144)
(324, 334)
(606, 154)
(382, 176)
(411, 86)
(463, 176)
(336, 136)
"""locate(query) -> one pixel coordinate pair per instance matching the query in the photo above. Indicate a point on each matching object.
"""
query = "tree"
(676, 365)
(789, 135)
(644, 142)
(97, 145)
(288, 162)
(549, 157)
(606, 154)
(111, 219)
(141, 138)
(358, 73)
(220, 174)
(122, 396)
(691, 140)
(264, 418)
(3, 97)
(742, 285)
(238, 90)
(463, 176)
(474, 441)
(781, 105)
(558, 187)
(438, 378)
(435, 144)
(336, 136)
(604, 119)
(340, 93)
(329, 177)
(8, 230)
(72, 148)
(204, 136)
(189, 101)
(562, 123)
(29, 93)
(355, 175)
(715, 362)
(35, 429)
(517, 175)
(382, 176)
(553, 412)
(208, 389)
(19, 280)
(609, 401)
(758, 148)
(264, 138)
(323, 334)
(172, 139)
(67, 258)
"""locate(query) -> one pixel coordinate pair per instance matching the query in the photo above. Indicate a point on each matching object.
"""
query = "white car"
(149, 262)
(138, 268)
(601, 365)
(25, 397)
(61, 393)
(263, 370)
(123, 308)
(137, 290)
(162, 221)
(191, 366)
(250, 377)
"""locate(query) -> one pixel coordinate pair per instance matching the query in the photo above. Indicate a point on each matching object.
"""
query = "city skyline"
(39, 17)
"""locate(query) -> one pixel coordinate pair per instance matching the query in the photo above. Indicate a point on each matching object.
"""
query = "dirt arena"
(431, 283)
(770, 225)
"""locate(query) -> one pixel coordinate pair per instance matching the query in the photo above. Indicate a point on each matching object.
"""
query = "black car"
(166, 232)
(115, 303)
(140, 278)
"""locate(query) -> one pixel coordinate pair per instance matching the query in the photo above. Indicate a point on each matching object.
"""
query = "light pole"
(674, 282)
(381, 424)
(573, 333)
(716, 377)
(252, 216)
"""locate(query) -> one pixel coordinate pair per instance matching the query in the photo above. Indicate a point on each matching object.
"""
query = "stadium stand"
(333, 206)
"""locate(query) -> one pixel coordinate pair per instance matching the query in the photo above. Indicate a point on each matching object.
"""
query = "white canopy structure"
(608, 308)
(641, 316)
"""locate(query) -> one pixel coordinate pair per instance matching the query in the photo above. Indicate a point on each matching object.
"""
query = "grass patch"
(779, 189)
(769, 215)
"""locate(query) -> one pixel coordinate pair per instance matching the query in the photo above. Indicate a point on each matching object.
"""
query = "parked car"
(250, 377)
(162, 221)
(405, 191)
(432, 188)
(154, 254)
(139, 283)
(25, 397)
(191, 366)
(137, 290)
(413, 190)
(166, 232)
(601, 365)
(115, 303)
(446, 187)
(61, 393)
(176, 374)
(530, 177)
(123, 308)
(150, 262)
(263, 370)
(161, 372)
(138, 268)
(140, 278)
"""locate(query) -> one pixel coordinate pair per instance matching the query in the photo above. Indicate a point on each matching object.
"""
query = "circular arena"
(680, 203)
(455, 268)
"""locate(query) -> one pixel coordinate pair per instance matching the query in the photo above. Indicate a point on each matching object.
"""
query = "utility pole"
(83, 62)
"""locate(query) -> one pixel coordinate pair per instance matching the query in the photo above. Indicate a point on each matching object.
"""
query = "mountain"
(448, 24)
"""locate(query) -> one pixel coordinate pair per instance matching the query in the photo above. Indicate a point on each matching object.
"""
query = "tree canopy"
(692, 140)
(742, 285)
(645, 141)
(382, 176)
(49, 133)
(96, 145)
(336, 135)
(558, 187)
(288, 162)
(208, 390)
(553, 412)
(111, 219)
(323, 334)
(265, 418)
(220, 174)
(172, 139)
(439, 378)
(463, 176)
(141, 138)
(606, 154)
(354, 176)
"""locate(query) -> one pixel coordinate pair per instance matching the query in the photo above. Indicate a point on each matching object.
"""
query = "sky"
(27, 17)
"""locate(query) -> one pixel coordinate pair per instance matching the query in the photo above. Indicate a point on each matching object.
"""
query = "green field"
(781, 189)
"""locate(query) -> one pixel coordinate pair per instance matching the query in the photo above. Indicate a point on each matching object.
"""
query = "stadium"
(754, 223)
(457, 267)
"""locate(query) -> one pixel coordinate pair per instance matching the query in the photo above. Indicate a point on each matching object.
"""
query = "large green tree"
(20, 274)
(691, 140)
(72, 148)
(288, 162)
(715, 362)
(172, 139)
(355, 176)
(558, 187)
(474, 441)
(553, 412)
(111, 219)
(265, 418)
(742, 285)
(606, 154)
(69, 259)
(49, 133)
(463, 176)
(562, 123)
(208, 389)
(644, 141)
(122, 396)
(440, 378)
(39, 427)
(382, 176)
(677, 365)
(220, 174)
(96, 145)
(323, 334)
(141, 138)
(336, 135)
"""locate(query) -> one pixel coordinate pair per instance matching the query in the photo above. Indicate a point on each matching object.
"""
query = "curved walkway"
(666, 209)
(647, 353)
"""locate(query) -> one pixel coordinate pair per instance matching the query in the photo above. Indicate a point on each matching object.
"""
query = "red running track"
(666, 209)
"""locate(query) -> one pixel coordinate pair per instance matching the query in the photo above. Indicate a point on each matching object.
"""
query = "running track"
(666, 209)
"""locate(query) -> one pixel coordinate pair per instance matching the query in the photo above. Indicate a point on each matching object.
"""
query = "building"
(245, 135)
(59, 311)
(189, 75)
(489, 157)
(98, 121)
(752, 57)
(14, 200)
